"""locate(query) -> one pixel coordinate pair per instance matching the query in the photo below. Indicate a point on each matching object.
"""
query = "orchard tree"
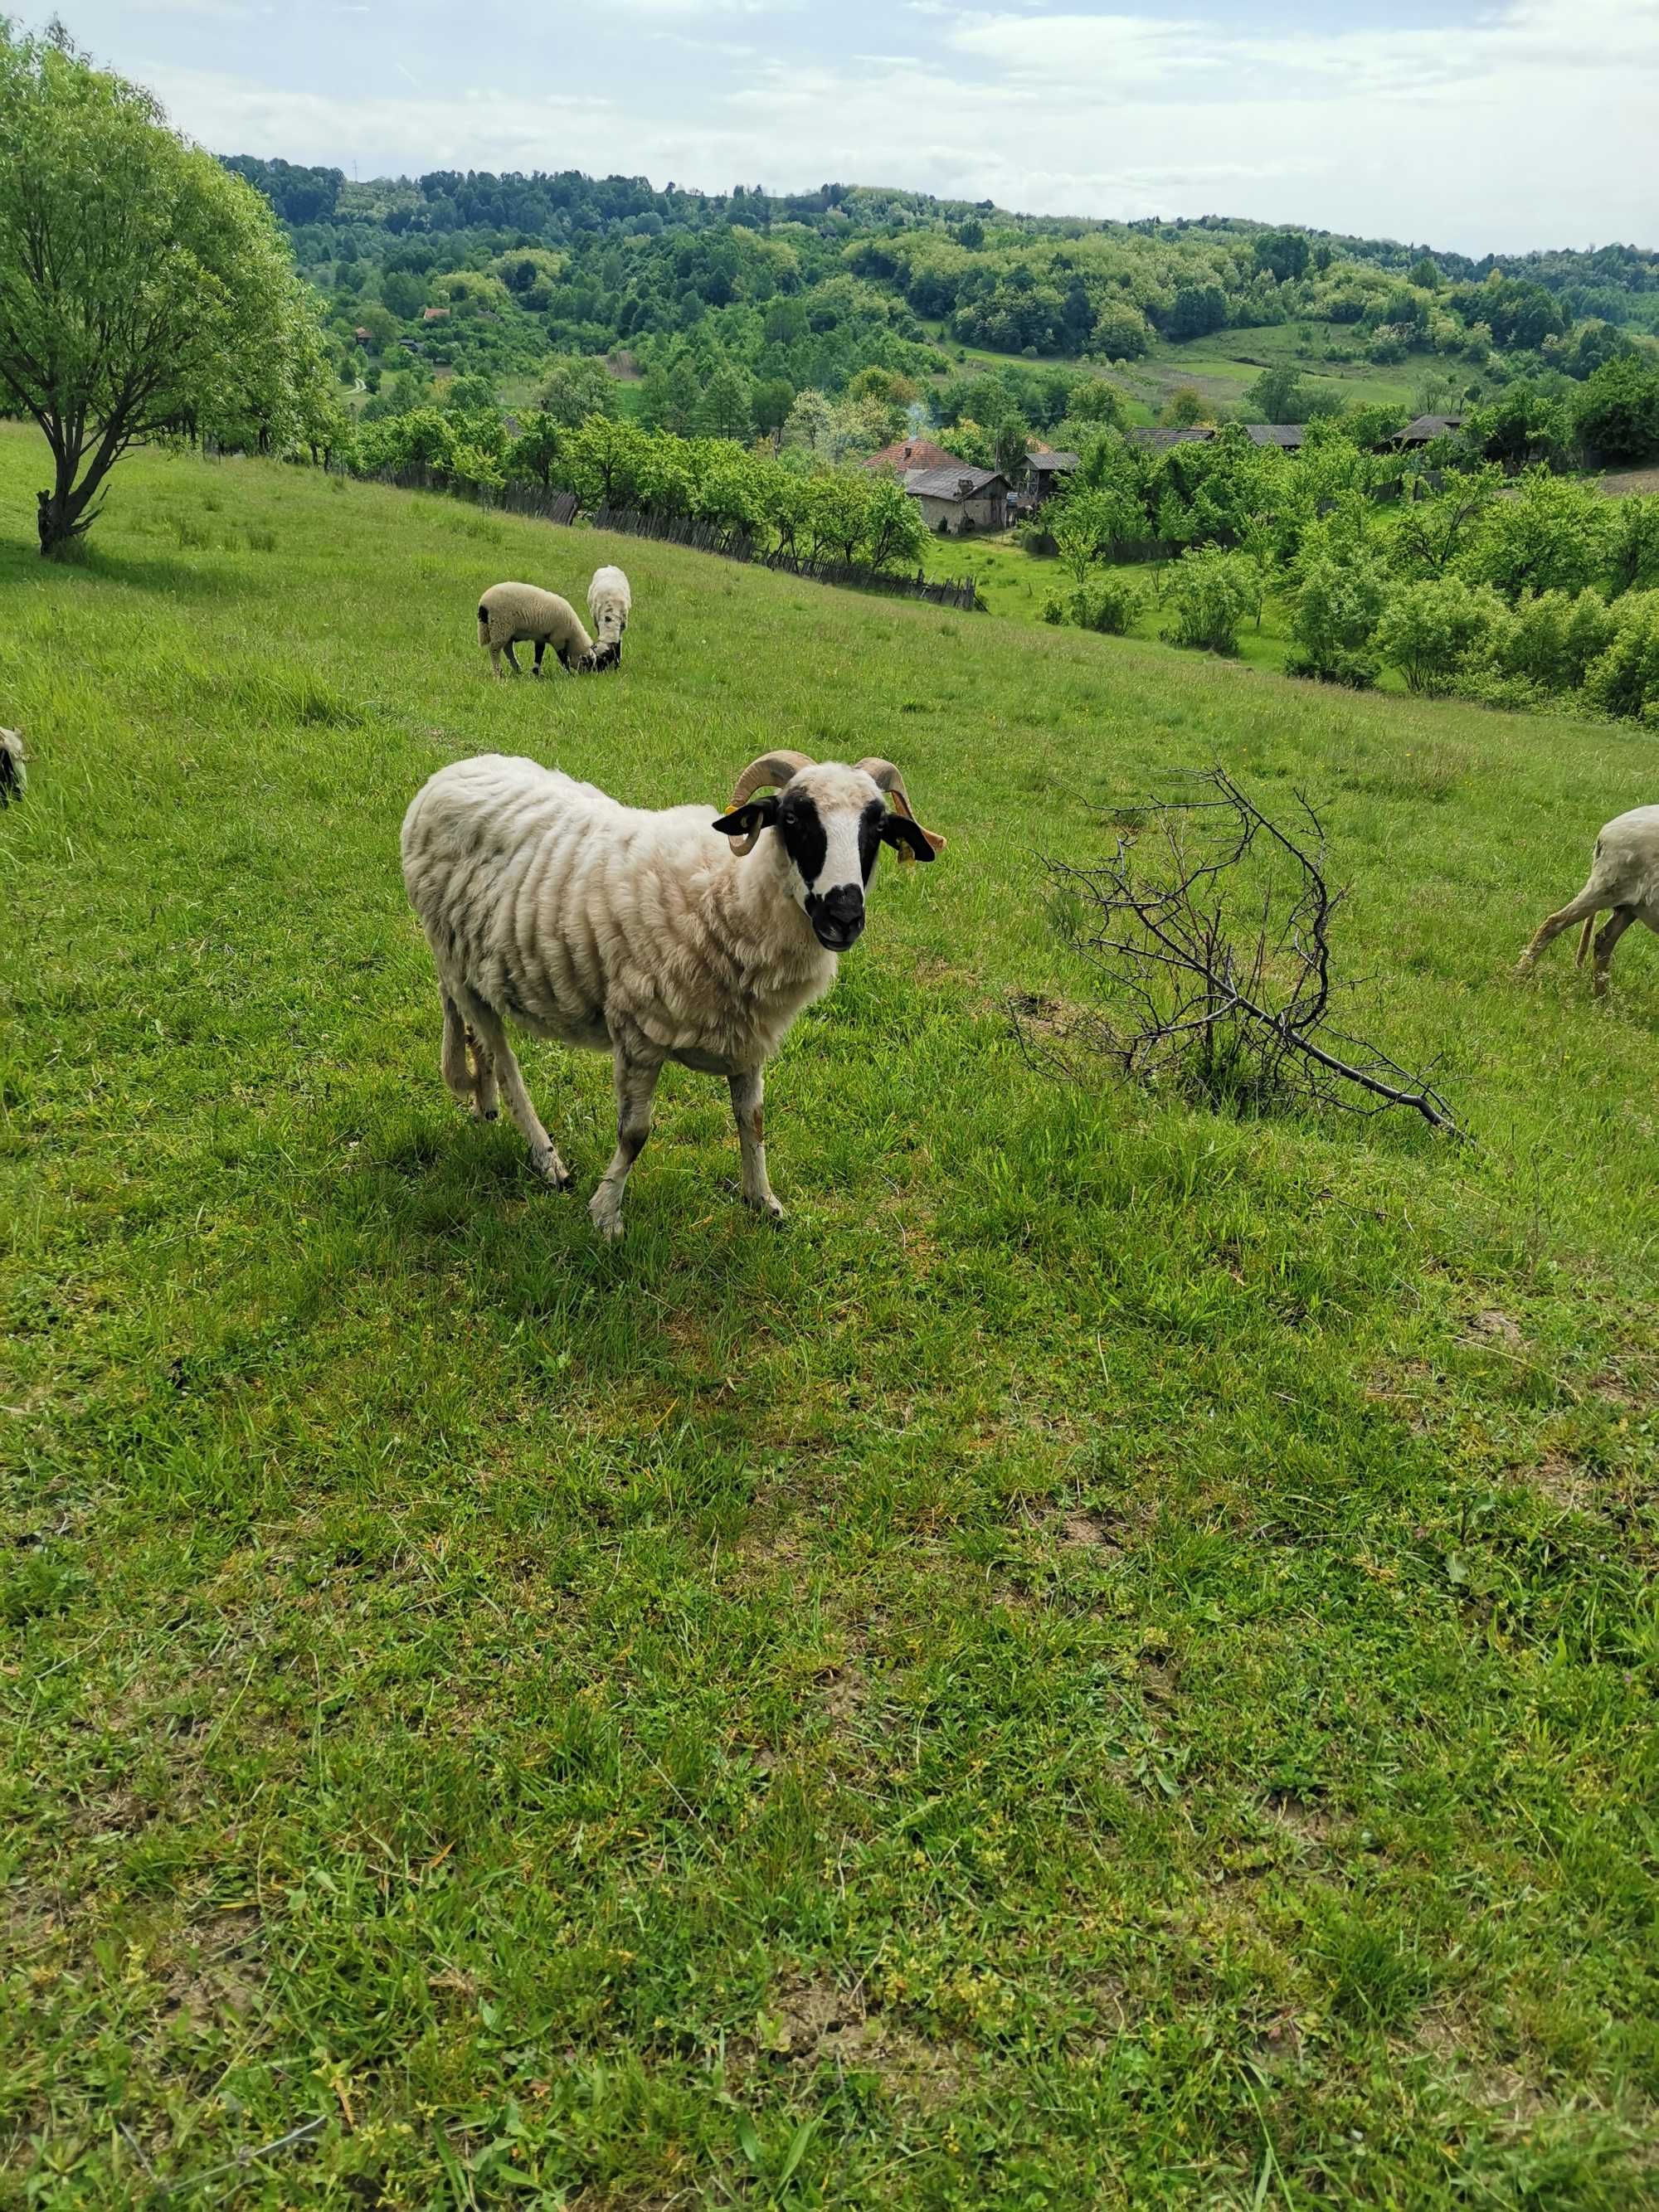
(143, 289)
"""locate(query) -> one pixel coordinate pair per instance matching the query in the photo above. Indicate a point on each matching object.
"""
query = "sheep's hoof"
(605, 1213)
(769, 1207)
(551, 1169)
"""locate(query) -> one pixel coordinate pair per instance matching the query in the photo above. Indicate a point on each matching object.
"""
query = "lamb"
(609, 603)
(509, 614)
(1624, 876)
(651, 936)
(13, 772)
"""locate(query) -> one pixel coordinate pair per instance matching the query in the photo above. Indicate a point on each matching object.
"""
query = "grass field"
(1111, 1663)
(1016, 586)
(1223, 367)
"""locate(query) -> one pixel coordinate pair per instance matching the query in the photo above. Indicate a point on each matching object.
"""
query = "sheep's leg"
(541, 647)
(1579, 909)
(748, 1094)
(512, 658)
(495, 663)
(1611, 931)
(489, 1038)
(455, 1061)
(636, 1087)
(486, 1096)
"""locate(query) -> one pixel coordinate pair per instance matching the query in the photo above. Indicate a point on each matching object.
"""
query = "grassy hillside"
(1109, 1663)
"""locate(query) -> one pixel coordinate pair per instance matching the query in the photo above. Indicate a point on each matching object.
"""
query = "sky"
(1483, 128)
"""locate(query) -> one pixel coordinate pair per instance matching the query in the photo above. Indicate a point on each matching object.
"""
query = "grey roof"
(1288, 434)
(1053, 460)
(958, 481)
(1429, 426)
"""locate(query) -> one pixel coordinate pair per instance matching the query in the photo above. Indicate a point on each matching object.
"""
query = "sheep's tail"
(483, 625)
(13, 776)
(1584, 936)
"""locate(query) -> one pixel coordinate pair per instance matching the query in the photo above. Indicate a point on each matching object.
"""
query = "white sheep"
(13, 771)
(513, 614)
(1624, 876)
(610, 602)
(651, 936)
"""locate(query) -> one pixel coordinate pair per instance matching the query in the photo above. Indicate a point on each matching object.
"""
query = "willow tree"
(145, 291)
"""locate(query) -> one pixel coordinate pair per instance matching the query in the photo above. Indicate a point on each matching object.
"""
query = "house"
(1045, 473)
(434, 314)
(955, 499)
(1427, 428)
(363, 337)
(912, 453)
(1289, 437)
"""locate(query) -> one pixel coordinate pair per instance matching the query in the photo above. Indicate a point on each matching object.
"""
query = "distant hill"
(805, 289)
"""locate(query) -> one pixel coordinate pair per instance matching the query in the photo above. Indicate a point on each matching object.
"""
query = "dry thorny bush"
(1208, 932)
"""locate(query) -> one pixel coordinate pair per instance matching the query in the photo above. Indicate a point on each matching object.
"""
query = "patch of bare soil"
(811, 2022)
(1491, 1327)
(1297, 1816)
(1086, 1531)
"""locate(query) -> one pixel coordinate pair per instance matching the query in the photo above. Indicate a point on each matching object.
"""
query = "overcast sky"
(1524, 123)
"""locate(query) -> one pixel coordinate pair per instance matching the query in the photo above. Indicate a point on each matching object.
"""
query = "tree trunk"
(61, 515)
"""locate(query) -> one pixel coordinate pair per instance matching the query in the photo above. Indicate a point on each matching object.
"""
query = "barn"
(956, 500)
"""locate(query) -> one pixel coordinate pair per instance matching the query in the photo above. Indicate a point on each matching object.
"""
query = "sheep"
(510, 613)
(609, 603)
(1624, 876)
(13, 772)
(653, 936)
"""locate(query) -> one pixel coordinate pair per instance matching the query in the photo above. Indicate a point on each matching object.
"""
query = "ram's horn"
(886, 777)
(771, 769)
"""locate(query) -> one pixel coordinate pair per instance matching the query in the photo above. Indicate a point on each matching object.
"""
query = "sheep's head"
(831, 821)
(607, 653)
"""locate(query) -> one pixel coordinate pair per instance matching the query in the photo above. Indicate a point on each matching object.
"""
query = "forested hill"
(493, 274)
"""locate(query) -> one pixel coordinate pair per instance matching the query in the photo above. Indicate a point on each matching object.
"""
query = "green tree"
(534, 452)
(895, 534)
(1282, 253)
(1425, 273)
(1617, 416)
(1430, 630)
(774, 398)
(404, 294)
(574, 389)
(1120, 331)
(143, 289)
(1208, 595)
(1185, 407)
(725, 410)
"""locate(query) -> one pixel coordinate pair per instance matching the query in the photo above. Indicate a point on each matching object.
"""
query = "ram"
(1624, 877)
(655, 936)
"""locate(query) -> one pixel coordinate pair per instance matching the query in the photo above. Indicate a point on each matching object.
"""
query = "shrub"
(1624, 679)
(1339, 601)
(1053, 608)
(1209, 593)
(1036, 537)
(1431, 629)
(1109, 604)
(1551, 640)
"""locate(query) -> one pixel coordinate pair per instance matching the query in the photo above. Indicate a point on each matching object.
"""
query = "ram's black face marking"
(870, 836)
(803, 835)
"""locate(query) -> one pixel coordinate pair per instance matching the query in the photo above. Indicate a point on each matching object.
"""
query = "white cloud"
(1530, 124)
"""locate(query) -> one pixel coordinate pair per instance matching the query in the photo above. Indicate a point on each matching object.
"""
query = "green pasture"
(1109, 1663)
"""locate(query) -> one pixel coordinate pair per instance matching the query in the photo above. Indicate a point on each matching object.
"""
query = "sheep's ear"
(749, 820)
(908, 839)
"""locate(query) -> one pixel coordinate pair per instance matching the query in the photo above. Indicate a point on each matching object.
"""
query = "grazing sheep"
(510, 614)
(651, 936)
(1624, 876)
(14, 773)
(609, 603)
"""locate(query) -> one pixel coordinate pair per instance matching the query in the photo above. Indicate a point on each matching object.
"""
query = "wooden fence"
(733, 543)
(737, 543)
